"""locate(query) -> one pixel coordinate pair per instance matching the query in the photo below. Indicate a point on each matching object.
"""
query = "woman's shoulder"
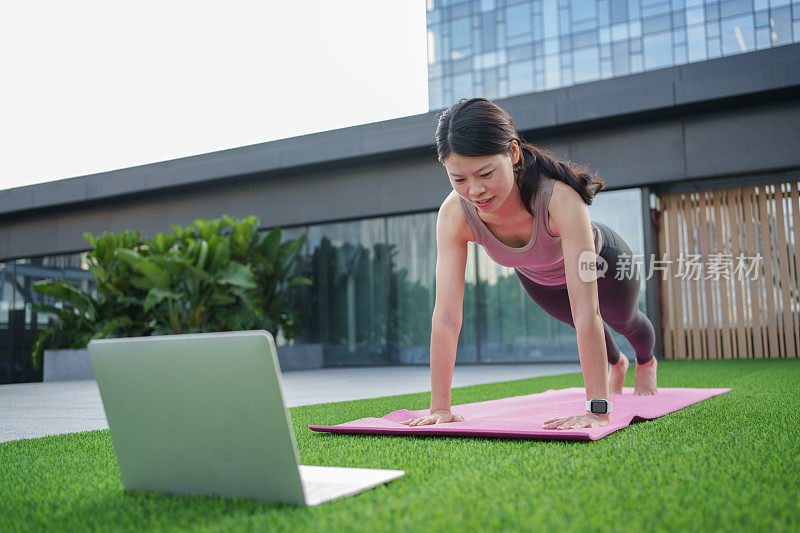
(563, 199)
(453, 218)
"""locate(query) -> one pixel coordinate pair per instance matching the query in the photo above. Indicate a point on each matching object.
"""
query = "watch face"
(599, 407)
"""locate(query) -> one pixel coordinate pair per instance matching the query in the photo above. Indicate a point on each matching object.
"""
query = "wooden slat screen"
(728, 265)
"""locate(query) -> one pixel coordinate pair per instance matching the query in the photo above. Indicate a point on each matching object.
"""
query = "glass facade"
(375, 286)
(372, 298)
(499, 48)
(19, 324)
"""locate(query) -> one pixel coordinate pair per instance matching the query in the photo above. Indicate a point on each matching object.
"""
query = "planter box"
(300, 357)
(67, 365)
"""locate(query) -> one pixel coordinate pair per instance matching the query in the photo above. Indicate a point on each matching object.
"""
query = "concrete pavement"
(30, 410)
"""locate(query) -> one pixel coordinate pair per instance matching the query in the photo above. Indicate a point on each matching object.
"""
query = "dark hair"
(479, 127)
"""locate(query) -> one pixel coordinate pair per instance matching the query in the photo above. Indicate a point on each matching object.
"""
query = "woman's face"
(486, 178)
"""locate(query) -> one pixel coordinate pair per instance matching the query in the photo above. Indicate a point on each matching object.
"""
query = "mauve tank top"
(541, 260)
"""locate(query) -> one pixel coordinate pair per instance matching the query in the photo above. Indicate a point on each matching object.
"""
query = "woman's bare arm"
(451, 261)
(570, 218)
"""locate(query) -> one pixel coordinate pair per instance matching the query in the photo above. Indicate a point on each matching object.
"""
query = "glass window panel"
(583, 10)
(680, 53)
(622, 211)
(412, 276)
(586, 25)
(587, 64)
(712, 29)
(522, 38)
(588, 38)
(603, 13)
(635, 28)
(712, 12)
(738, 35)
(488, 37)
(500, 35)
(462, 85)
(519, 52)
(350, 297)
(633, 10)
(657, 50)
(550, 14)
(619, 12)
(460, 32)
(25, 322)
(7, 363)
(551, 71)
(656, 24)
(732, 8)
(763, 39)
(606, 68)
(520, 76)
(300, 298)
(696, 42)
(654, 8)
(714, 47)
(762, 18)
(678, 20)
(621, 58)
(435, 95)
(778, 3)
(695, 16)
(636, 62)
(781, 25)
(619, 32)
(518, 19)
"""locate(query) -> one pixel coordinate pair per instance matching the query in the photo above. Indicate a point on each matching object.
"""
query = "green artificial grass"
(729, 463)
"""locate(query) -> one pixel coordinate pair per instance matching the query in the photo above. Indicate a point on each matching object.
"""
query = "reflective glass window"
(350, 293)
(411, 252)
(587, 64)
(520, 77)
(657, 50)
(738, 35)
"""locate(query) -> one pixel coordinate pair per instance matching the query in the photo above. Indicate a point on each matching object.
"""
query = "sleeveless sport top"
(541, 260)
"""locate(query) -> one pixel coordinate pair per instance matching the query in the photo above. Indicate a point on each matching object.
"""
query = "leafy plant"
(213, 275)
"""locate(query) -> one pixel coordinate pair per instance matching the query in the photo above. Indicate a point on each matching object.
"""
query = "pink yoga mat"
(522, 417)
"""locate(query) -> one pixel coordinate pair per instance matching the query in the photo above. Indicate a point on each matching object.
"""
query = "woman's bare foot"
(616, 375)
(645, 378)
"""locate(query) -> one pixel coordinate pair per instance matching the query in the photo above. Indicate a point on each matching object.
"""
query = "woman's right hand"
(440, 416)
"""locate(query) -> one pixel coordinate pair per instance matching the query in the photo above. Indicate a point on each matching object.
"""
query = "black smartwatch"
(598, 407)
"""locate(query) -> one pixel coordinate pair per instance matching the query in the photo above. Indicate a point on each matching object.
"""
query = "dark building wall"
(711, 144)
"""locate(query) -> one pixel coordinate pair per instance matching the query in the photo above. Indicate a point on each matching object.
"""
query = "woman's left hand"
(586, 420)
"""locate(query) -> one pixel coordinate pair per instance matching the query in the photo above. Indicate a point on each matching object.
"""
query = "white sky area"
(93, 86)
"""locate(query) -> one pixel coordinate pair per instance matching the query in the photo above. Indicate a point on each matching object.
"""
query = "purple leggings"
(618, 299)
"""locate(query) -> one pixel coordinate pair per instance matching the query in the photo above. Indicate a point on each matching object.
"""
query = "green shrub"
(213, 275)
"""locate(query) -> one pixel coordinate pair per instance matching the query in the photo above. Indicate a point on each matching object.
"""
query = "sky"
(93, 86)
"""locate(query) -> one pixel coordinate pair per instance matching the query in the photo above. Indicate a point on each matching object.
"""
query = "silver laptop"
(204, 414)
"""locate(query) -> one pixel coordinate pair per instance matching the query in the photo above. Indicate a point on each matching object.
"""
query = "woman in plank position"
(528, 209)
